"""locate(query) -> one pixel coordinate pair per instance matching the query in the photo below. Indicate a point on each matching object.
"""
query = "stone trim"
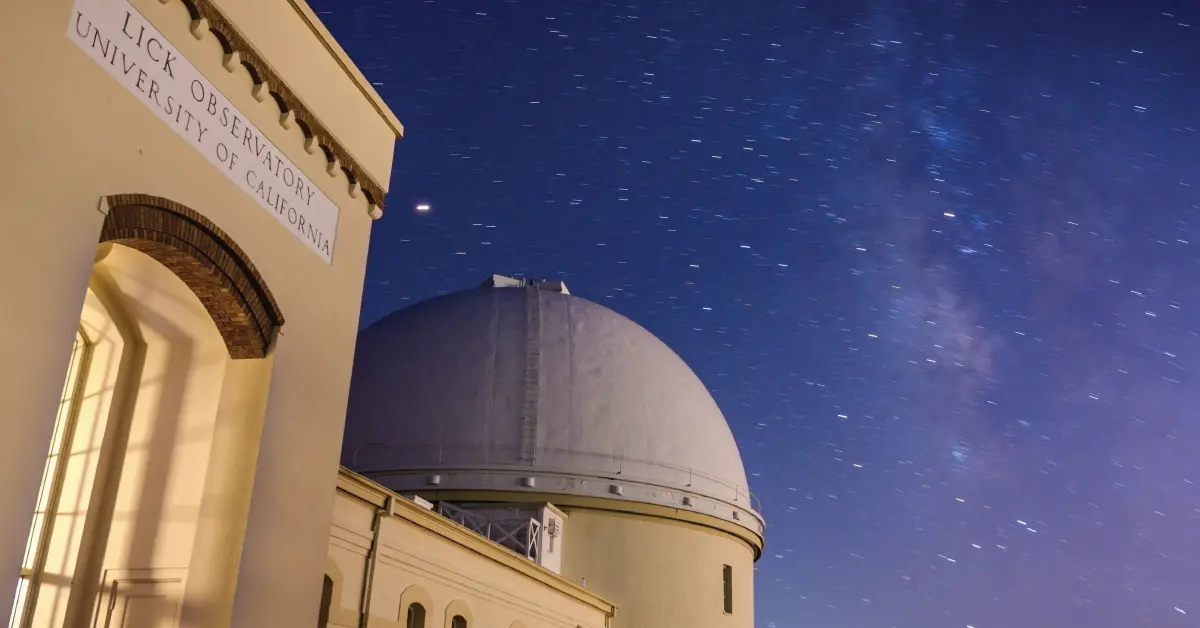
(207, 18)
(207, 260)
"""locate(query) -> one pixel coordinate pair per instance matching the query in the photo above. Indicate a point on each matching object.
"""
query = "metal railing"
(519, 534)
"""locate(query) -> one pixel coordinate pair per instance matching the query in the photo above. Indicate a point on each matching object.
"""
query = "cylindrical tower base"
(660, 572)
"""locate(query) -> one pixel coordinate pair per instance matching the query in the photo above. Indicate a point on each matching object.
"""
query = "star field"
(937, 261)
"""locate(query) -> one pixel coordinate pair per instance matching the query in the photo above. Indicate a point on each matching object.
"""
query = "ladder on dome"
(532, 382)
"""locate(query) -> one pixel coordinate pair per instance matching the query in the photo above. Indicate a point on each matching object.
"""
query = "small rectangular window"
(727, 577)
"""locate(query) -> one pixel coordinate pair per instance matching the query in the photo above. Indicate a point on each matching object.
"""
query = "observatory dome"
(518, 386)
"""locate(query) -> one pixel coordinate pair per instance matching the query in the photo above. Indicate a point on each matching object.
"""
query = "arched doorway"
(133, 495)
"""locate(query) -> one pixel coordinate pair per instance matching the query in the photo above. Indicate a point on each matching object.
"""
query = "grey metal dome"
(520, 386)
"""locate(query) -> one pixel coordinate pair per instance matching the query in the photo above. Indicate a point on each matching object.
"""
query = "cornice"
(207, 18)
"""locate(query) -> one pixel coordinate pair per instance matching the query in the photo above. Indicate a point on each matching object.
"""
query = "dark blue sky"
(937, 262)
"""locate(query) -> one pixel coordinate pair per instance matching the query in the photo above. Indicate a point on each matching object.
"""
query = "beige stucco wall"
(71, 134)
(657, 571)
(425, 558)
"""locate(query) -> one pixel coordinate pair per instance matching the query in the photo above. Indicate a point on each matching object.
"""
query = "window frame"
(727, 588)
(37, 544)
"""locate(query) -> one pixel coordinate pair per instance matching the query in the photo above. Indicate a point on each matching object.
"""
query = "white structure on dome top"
(518, 393)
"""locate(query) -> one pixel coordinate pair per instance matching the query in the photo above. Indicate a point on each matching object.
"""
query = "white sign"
(124, 43)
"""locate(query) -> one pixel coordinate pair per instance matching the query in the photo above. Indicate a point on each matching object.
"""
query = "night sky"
(937, 262)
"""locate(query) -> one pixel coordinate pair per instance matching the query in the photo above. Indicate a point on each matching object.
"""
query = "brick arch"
(206, 259)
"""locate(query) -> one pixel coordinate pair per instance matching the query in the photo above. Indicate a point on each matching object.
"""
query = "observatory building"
(567, 433)
(190, 188)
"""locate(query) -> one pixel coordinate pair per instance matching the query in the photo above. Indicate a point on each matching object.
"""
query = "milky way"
(935, 260)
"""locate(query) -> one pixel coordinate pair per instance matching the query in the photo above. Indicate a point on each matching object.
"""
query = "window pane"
(19, 602)
(35, 534)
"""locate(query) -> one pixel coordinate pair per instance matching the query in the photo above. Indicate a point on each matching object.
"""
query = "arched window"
(458, 622)
(416, 616)
(326, 602)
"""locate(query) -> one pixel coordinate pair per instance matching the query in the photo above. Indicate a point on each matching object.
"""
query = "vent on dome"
(503, 281)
